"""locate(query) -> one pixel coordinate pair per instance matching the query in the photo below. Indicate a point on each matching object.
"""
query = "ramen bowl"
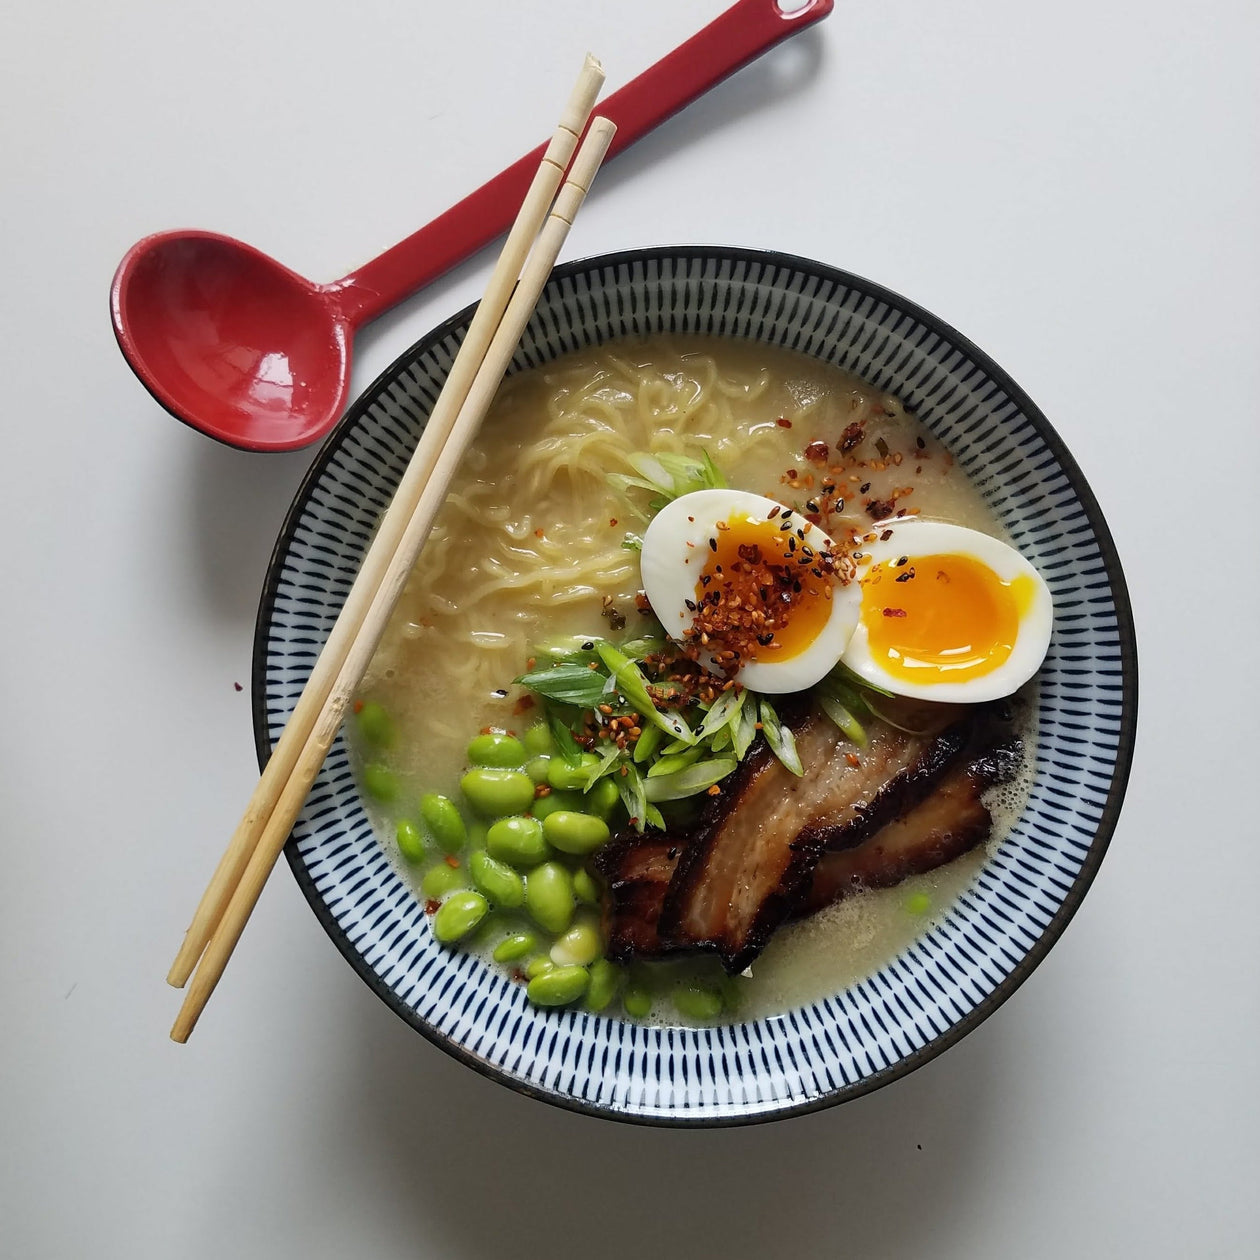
(974, 956)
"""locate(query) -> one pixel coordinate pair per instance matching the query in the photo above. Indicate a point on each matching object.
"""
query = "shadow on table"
(475, 1170)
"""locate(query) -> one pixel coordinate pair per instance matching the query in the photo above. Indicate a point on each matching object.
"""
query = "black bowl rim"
(1125, 740)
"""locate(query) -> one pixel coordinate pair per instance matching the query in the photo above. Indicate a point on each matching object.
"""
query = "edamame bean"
(510, 948)
(539, 966)
(380, 783)
(918, 903)
(637, 1001)
(559, 986)
(562, 775)
(443, 821)
(605, 977)
(694, 1001)
(442, 879)
(549, 896)
(494, 793)
(586, 886)
(499, 882)
(536, 768)
(571, 832)
(579, 945)
(496, 749)
(554, 801)
(538, 739)
(458, 915)
(375, 725)
(518, 842)
(410, 841)
(602, 799)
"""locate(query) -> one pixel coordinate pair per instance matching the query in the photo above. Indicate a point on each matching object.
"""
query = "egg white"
(675, 552)
(914, 537)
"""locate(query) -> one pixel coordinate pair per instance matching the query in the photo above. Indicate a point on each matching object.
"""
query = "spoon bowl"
(217, 330)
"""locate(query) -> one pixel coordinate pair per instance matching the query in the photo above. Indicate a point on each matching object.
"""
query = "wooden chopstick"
(480, 394)
(314, 696)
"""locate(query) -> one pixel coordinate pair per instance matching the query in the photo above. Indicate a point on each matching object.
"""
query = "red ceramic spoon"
(254, 355)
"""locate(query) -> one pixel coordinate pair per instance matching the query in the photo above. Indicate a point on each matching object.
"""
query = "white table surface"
(1074, 185)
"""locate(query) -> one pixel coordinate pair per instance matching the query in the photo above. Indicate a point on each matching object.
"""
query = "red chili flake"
(894, 612)
(452, 861)
(853, 759)
(519, 976)
(538, 533)
(541, 789)
(612, 520)
(523, 705)
(358, 704)
(817, 453)
(432, 906)
(238, 687)
(714, 791)
(881, 509)
(850, 437)
(783, 423)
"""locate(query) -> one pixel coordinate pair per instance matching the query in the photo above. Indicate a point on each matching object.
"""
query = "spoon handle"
(743, 32)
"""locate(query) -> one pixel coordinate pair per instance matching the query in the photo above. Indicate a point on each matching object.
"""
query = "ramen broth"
(528, 548)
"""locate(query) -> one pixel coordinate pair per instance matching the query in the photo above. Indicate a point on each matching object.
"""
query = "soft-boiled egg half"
(947, 613)
(927, 610)
(753, 583)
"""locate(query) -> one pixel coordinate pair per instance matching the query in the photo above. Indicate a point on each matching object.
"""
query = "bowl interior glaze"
(1001, 927)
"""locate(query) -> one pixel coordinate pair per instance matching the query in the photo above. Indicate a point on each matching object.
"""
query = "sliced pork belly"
(948, 822)
(636, 870)
(748, 867)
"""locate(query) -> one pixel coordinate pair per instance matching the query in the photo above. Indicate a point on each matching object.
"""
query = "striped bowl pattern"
(1001, 927)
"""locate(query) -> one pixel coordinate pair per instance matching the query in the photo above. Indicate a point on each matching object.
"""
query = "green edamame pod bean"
(443, 821)
(498, 881)
(554, 801)
(586, 886)
(559, 986)
(496, 793)
(549, 896)
(603, 798)
(376, 726)
(410, 841)
(458, 915)
(538, 740)
(510, 948)
(605, 977)
(695, 1001)
(562, 775)
(518, 842)
(496, 749)
(539, 966)
(571, 832)
(442, 879)
(536, 768)
(580, 945)
(381, 783)
(637, 1002)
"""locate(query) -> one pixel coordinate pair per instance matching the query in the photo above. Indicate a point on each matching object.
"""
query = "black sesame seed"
(864, 487)
(886, 535)
(920, 443)
(501, 692)
(712, 544)
(900, 561)
(588, 647)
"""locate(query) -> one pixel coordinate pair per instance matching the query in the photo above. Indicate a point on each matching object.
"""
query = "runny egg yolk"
(766, 580)
(944, 615)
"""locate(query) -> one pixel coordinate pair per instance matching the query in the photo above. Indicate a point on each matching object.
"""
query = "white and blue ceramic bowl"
(951, 979)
